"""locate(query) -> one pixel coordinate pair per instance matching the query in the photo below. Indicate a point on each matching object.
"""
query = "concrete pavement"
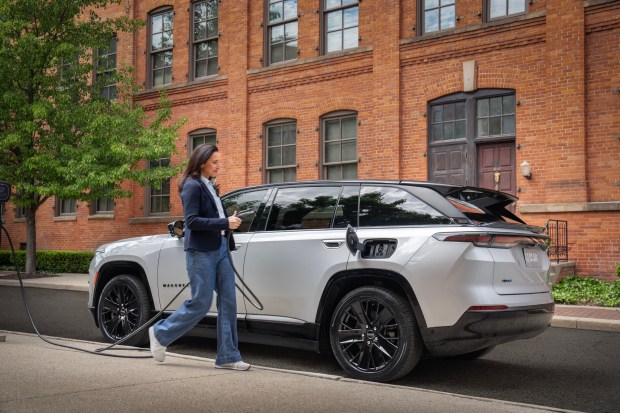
(37, 377)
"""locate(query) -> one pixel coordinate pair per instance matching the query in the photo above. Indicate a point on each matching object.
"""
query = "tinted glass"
(303, 208)
(242, 203)
(346, 211)
(386, 206)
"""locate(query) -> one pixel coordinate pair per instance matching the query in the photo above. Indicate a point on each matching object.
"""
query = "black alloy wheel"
(374, 335)
(123, 307)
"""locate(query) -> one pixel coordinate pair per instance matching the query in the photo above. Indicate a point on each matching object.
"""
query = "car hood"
(133, 245)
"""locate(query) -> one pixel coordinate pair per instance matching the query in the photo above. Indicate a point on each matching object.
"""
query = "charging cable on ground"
(100, 351)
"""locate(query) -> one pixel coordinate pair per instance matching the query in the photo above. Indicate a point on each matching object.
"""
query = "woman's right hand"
(234, 221)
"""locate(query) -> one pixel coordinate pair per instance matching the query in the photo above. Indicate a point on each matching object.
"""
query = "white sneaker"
(237, 365)
(157, 350)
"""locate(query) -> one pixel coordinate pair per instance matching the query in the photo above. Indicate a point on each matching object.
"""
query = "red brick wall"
(560, 58)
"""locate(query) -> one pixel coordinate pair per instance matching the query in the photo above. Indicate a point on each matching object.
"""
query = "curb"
(583, 323)
(41, 283)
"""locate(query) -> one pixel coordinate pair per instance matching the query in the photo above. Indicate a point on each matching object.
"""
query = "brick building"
(460, 91)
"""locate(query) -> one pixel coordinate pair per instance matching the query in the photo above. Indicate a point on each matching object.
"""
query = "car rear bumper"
(476, 330)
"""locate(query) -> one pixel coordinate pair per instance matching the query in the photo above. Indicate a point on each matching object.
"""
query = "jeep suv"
(376, 272)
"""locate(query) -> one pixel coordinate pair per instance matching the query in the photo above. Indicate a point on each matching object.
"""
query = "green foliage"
(587, 290)
(618, 270)
(51, 262)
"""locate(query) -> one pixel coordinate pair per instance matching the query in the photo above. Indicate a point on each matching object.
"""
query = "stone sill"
(65, 218)
(570, 207)
(154, 220)
(101, 216)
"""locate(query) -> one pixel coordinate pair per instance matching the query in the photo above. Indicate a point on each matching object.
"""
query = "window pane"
(201, 51)
(384, 206)
(290, 50)
(431, 21)
(274, 156)
(277, 53)
(349, 171)
(437, 132)
(447, 17)
(201, 68)
(275, 12)
(498, 8)
(274, 136)
(508, 124)
(290, 174)
(158, 77)
(334, 41)
(291, 31)
(495, 106)
(448, 112)
(303, 208)
(288, 155)
(156, 42)
(482, 108)
(459, 129)
(483, 127)
(349, 128)
(495, 125)
(516, 6)
(350, 38)
(167, 21)
(212, 48)
(332, 3)
(350, 17)
(288, 134)
(212, 66)
(334, 21)
(156, 24)
(166, 40)
(276, 175)
(508, 104)
(332, 129)
(332, 152)
(212, 28)
(459, 110)
(349, 151)
(200, 31)
(448, 130)
(436, 114)
(200, 11)
(212, 8)
(333, 172)
(347, 2)
(447, 2)
(431, 4)
(277, 33)
(167, 76)
(290, 9)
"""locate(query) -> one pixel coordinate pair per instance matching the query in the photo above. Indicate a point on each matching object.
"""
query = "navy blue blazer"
(203, 225)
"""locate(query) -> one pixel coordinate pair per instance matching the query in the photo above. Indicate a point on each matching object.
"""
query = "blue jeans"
(208, 271)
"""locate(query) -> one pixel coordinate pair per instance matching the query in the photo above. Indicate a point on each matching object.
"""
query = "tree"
(59, 136)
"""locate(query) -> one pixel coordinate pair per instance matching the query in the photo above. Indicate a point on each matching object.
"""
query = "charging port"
(379, 248)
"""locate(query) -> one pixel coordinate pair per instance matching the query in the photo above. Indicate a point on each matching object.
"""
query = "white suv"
(442, 268)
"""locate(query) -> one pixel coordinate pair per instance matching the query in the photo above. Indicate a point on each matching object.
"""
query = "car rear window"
(388, 206)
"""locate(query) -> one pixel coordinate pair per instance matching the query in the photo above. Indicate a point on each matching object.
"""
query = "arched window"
(199, 136)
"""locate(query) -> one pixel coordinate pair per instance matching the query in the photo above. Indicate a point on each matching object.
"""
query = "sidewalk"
(566, 316)
(37, 376)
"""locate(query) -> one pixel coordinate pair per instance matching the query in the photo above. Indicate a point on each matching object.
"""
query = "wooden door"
(447, 164)
(497, 167)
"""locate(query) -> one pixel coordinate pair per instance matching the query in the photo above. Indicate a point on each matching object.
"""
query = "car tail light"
(487, 240)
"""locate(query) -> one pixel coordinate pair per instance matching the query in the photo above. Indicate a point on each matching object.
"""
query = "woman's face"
(210, 168)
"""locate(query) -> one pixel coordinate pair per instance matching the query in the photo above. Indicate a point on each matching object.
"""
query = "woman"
(208, 267)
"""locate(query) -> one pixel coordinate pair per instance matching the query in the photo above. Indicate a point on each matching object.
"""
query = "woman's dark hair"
(199, 156)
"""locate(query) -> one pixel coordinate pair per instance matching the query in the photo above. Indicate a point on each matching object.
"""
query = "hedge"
(50, 262)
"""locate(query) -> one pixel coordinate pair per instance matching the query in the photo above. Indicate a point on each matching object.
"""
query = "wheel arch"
(112, 269)
(343, 282)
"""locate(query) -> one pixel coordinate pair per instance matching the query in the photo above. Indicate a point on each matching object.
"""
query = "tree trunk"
(31, 241)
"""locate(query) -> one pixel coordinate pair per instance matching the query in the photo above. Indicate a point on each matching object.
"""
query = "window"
(281, 158)
(20, 212)
(66, 207)
(281, 30)
(161, 24)
(346, 211)
(106, 68)
(201, 136)
(340, 147)
(385, 206)
(496, 116)
(243, 203)
(438, 15)
(448, 121)
(303, 208)
(497, 9)
(340, 21)
(205, 38)
(103, 205)
(159, 199)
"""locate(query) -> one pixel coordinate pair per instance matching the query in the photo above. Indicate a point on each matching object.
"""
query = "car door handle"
(237, 246)
(332, 243)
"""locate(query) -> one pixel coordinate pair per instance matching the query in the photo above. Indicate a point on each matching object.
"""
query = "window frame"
(151, 54)
(324, 12)
(107, 71)
(199, 133)
(266, 128)
(59, 211)
(421, 19)
(196, 43)
(149, 192)
(332, 116)
(486, 11)
(268, 29)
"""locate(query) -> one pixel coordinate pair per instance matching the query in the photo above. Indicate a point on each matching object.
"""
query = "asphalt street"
(562, 368)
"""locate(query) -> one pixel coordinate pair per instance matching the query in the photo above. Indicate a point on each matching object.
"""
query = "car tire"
(374, 335)
(122, 308)
(474, 354)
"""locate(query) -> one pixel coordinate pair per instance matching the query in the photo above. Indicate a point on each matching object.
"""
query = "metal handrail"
(558, 231)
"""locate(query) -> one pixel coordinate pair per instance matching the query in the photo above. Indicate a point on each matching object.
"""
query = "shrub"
(50, 262)
(587, 290)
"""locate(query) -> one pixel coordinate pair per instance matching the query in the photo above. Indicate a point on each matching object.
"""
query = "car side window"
(387, 206)
(346, 211)
(246, 204)
(303, 208)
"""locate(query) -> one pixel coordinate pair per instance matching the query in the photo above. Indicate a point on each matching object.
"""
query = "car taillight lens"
(487, 240)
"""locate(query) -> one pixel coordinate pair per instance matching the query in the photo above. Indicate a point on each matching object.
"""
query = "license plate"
(531, 257)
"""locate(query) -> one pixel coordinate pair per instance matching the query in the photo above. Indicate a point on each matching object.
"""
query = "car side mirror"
(177, 228)
(353, 242)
